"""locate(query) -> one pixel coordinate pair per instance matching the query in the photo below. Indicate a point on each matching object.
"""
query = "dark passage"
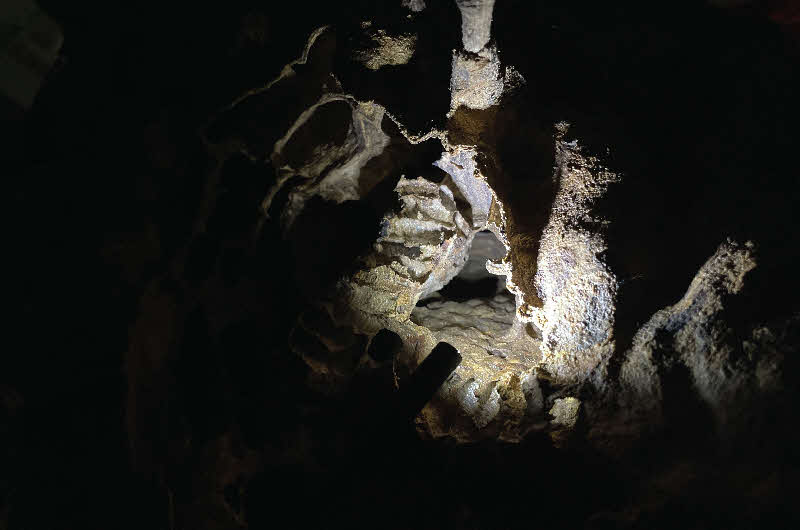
(474, 281)
(384, 345)
(461, 290)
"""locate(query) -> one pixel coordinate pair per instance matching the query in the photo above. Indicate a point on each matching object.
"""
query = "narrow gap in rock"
(474, 311)
(474, 281)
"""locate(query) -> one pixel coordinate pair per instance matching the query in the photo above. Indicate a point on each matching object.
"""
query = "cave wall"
(157, 298)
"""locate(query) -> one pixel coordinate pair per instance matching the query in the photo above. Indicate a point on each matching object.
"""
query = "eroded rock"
(476, 23)
(387, 50)
(550, 316)
(330, 171)
(575, 285)
(477, 80)
(693, 337)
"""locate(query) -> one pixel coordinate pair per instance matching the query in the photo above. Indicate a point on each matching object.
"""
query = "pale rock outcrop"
(330, 171)
(476, 23)
(693, 336)
(508, 346)
(576, 287)
(386, 50)
(477, 80)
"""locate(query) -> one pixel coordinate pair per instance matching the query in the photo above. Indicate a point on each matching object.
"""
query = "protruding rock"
(387, 50)
(330, 170)
(460, 165)
(565, 412)
(565, 417)
(424, 240)
(414, 5)
(476, 81)
(693, 336)
(578, 289)
(476, 23)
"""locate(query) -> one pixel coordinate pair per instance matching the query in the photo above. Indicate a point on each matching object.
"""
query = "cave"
(400, 264)
(474, 281)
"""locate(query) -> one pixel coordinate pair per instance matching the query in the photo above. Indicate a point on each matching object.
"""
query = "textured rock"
(576, 287)
(485, 248)
(253, 122)
(387, 50)
(477, 80)
(331, 171)
(693, 335)
(476, 23)
(429, 239)
(460, 165)
(264, 351)
(507, 408)
(550, 316)
(482, 325)
(565, 413)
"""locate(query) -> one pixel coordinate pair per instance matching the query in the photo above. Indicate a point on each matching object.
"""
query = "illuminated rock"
(386, 50)
(476, 23)
(527, 299)
(477, 80)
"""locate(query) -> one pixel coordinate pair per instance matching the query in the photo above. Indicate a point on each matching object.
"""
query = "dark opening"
(474, 281)
(461, 290)
(385, 345)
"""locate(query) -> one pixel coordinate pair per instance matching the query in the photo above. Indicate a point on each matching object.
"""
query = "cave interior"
(401, 264)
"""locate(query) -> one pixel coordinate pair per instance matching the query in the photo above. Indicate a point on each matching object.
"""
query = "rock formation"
(551, 317)
(408, 264)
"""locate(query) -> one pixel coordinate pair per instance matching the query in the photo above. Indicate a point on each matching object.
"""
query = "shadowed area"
(427, 379)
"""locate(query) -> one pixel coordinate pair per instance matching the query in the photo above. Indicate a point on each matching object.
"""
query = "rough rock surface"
(331, 171)
(246, 312)
(476, 23)
(477, 80)
(387, 50)
(425, 245)
(693, 336)
(460, 165)
(575, 285)
(555, 325)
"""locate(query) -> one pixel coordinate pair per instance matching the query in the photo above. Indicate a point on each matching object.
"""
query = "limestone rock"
(290, 270)
(521, 353)
(332, 170)
(387, 50)
(693, 337)
(485, 248)
(461, 166)
(476, 23)
(577, 288)
(477, 80)
(428, 238)
(565, 412)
